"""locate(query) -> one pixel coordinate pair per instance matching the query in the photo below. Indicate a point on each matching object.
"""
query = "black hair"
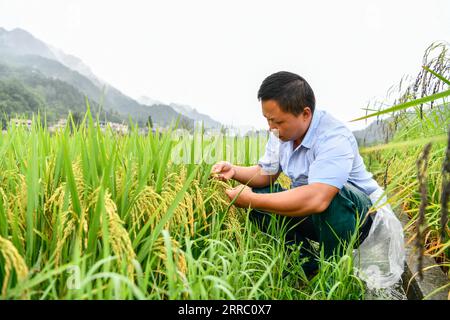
(289, 90)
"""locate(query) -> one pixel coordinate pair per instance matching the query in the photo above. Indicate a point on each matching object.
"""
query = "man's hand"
(244, 198)
(223, 171)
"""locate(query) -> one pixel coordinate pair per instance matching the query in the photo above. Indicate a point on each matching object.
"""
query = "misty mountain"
(25, 91)
(185, 110)
(19, 50)
(196, 116)
(377, 132)
(19, 42)
(76, 64)
(148, 101)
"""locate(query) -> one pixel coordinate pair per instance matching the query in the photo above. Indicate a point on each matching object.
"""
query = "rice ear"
(13, 260)
(120, 239)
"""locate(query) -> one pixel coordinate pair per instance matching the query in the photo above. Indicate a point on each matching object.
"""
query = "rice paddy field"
(95, 215)
(396, 170)
(92, 214)
(419, 146)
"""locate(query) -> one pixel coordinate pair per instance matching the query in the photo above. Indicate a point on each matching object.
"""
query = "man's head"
(288, 103)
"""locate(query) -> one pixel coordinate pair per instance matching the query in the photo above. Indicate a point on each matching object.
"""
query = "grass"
(396, 169)
(416, 123)
(87, 214)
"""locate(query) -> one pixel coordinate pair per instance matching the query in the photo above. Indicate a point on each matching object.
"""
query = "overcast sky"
(213, 55)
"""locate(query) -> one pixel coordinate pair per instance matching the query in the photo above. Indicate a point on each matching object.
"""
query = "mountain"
(375, 133)
(26, 91)
(185, 110)
(76, 64)
(19, 50)
(196, 116)
(20, 42)
(148, 101)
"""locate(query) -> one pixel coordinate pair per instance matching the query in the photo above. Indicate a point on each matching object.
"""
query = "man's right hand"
(223, 171)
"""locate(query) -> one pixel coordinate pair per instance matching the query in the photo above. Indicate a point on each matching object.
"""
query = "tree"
(77, 118)
(4, 123)
(185, 124)
(150, 122)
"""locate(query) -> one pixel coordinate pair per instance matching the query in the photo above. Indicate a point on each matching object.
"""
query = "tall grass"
(415, 122)
(86, 214)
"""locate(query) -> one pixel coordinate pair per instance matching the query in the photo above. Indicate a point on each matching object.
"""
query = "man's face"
(289, 127)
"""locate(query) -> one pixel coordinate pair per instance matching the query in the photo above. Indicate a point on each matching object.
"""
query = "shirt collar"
(308, 139)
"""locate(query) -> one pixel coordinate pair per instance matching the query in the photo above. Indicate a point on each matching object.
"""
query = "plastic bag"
(380, 258)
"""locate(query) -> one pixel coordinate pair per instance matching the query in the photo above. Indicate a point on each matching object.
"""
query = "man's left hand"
(244, 198)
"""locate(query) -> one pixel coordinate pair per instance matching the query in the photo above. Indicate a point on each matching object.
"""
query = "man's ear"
(307, 113)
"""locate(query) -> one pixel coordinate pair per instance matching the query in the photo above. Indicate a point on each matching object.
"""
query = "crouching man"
(330, 184)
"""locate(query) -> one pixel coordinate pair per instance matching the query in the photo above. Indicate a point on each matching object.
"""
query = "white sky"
(213, 55)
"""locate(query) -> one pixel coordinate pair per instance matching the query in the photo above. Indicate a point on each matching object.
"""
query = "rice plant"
(87, 214)
(419, 122)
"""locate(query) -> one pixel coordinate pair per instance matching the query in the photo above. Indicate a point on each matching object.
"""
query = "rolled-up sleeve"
(270, 162)
(333, 161)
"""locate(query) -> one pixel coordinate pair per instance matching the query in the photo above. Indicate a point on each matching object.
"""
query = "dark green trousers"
(335, 225)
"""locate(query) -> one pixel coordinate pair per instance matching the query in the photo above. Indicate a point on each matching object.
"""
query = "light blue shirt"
(328, 154)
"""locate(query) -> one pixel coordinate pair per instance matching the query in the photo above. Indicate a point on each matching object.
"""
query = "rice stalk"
(120, 240)
(144, 208)
(445, 193)
(422, 165)
(21, 199)
(68, 223)
(13, 260)
(178, 255)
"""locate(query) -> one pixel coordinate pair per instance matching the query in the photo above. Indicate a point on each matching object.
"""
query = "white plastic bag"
(380, 258)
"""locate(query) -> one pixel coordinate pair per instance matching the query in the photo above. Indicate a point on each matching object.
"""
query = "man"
(330, 184)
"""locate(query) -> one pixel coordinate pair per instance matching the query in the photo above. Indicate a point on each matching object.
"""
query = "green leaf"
(404, 144)
(441, 77)
(407, 105)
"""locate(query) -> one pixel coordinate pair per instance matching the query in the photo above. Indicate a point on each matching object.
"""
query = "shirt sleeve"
(333, 161)
(270, 162)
